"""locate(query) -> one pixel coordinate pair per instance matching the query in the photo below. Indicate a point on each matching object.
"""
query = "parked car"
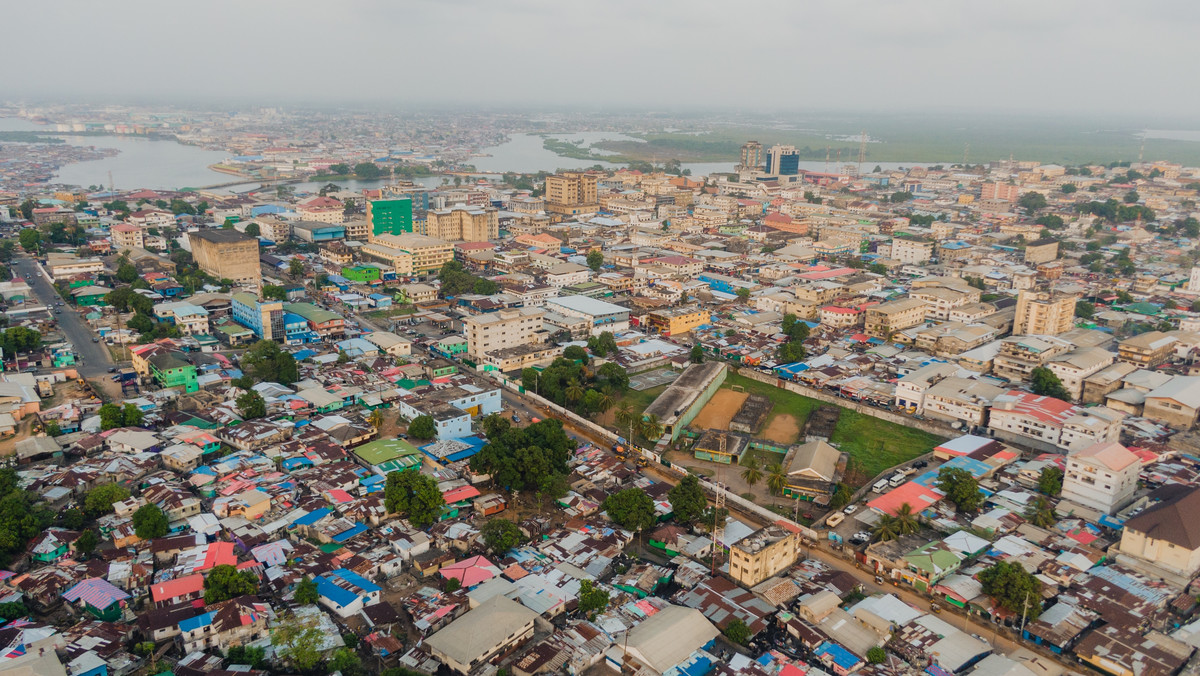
(112, 369)
(95, 340)
(850, 509)
(920, 464)
(516, 418)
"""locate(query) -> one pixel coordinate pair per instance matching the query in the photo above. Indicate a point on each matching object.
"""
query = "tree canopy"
(414, 496)
(267, 362)
(592, 599)
(521, 458)
(225, 582)
(1050, 481)
(631, 509)
(251, 405)
(150, 522)
(960, 488)
(595, 259)
(306, 592)
(457, 281)
(100, 499)
(1014, 589)
(422, 427)
(501, 535)
(687, 499)
(1046, 383)
(20, 339)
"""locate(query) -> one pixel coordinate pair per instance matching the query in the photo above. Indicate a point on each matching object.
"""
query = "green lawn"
(873, 444)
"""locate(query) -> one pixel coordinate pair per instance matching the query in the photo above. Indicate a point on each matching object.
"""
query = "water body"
(140, 162)
(1174, 134)
(525, 153)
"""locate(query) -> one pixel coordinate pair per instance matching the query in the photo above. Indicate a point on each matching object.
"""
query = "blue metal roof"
(840, 656)
(340, 597)
(356, 579)
(312, 517)
(347, 534)
(193, 623)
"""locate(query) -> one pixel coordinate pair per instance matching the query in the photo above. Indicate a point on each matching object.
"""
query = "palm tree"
(906, 521)
(751, 472)
(376, 418)
(885, 528)
(1040, 513)
(606, 402)
(651, 428)
(574, 391)
(776, 478)
(625, 417)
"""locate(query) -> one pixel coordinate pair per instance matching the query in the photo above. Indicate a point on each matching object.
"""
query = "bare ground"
(720, 410)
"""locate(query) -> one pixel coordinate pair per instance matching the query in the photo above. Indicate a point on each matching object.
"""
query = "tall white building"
(506, 328)
(1193, 284)
(1102, 476)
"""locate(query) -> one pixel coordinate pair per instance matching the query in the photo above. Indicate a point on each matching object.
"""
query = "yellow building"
(763, 554)
(676, 321)
(1044, 313)
(410, 253)
(570, 193)
(886, 318)
(463, 224)
(227, 254)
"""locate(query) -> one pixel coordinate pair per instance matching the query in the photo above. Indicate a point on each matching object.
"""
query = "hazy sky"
(1060, 56)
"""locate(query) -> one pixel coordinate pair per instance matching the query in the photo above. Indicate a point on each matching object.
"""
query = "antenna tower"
(718, 532)
(826, 159)
(966, 153)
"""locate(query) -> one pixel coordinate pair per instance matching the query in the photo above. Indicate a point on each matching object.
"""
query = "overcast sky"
(1055, 55)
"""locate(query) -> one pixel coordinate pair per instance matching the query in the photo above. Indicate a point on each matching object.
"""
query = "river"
(140, 162)
(166, 164)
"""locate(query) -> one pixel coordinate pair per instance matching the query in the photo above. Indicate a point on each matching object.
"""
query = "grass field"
(873, 444)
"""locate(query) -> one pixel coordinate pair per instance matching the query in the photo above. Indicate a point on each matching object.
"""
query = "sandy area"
(717, 413)
(783, 429)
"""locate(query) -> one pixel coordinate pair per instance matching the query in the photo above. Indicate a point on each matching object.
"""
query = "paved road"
(94, 358)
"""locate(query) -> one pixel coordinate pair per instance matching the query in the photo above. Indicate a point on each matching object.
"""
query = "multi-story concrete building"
(1050, 424)
(960, 400)
(752, 156)
(911, 389)
(1044, 313)
(125, 235)
(571, 193)
(462, 223)
(1041, 251)
(675, 321)
(322, 209)
(1003, 192)
(763, 554)
(410, 253)
(1018, 356)
(188, 318)
(1176, 402)
(886, 318)
(227, 254)
(389, 216)
(1161, 541)
(1101, 476)
(264, 318)
(503, 329)
(1146, 350)
(603, 316)
(912, 250)
(1073, 367)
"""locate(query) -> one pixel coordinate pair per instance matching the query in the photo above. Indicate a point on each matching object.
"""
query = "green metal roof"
(382, 450)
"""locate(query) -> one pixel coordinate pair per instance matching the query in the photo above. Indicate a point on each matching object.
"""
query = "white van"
(879, 486)
(897, 480)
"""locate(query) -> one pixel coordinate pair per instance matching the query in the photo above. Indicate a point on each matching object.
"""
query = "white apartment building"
(1049, 424)
(911, 389)
(189, 319)
(911, 251)
(1101, 476)
(502, 329)
(1075, 366)
(960, 399)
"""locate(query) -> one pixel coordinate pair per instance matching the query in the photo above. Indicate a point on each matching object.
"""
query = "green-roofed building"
(323, 322)
(169, 370)
(389, 455)
(363, 274)
(931, 563)
(390, 216)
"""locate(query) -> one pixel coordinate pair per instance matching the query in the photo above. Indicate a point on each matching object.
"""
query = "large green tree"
(100, 499)
(501, 535)
(960, 488)
(687, 499)
(1046, 383)
(595, 259)
(1014, 589)
(631, 509)
(267, 362)
(414, 496)
(296, 642)
(422, 427)
(251, 405)
(520, 458)
(225, 582)
(593, 600)
(1050, 481)
(150, 522)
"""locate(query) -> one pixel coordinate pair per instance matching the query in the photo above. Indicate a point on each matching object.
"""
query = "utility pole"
(718, 532)
(1024, 609)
